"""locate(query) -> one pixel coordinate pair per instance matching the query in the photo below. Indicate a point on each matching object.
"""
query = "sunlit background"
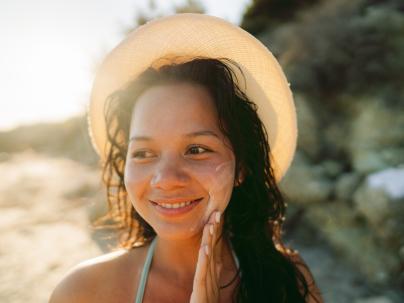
(345, 187)
(50, 49)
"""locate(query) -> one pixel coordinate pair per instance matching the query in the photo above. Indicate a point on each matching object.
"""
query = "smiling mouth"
(176, 205)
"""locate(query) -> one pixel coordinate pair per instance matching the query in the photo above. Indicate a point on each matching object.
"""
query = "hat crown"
(186, 36)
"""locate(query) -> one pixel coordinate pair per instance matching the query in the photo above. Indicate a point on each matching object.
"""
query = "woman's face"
(177, 154)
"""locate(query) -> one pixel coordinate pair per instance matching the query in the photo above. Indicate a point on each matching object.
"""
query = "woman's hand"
(206, 288)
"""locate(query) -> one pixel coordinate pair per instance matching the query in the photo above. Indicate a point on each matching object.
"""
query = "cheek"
(136, 180)
(213, 179)
(218, 181)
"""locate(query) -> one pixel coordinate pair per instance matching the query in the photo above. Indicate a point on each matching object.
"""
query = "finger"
(211, 281)
(211, 275)
(217, 247)
(214, 243)
(215, 257)
(212, 236)
(211, 219)
(219, 267)
(220, 242)
(199, 284)
(200, 279)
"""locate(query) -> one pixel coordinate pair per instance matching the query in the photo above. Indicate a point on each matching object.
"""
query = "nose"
(169, 174)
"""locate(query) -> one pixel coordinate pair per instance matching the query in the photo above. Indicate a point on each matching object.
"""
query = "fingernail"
(207, 250)
(217, 217)
(211, 229)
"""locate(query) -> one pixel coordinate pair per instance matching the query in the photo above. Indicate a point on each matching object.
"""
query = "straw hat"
(194, 35)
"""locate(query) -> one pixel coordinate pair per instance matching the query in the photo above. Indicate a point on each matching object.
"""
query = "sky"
(50, 49)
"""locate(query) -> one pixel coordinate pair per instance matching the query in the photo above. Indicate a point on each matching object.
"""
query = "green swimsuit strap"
(146, 267)
(145, 272)
(235, 257)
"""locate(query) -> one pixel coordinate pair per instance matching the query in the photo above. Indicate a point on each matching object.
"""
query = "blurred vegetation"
(339, 55)
(262, 14)
(66, 139)
(345, 46)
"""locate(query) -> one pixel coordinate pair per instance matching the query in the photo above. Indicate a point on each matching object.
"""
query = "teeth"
(176, 205)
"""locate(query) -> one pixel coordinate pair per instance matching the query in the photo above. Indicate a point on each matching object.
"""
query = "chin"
(175, 231)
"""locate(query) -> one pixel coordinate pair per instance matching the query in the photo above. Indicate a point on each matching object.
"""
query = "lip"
(173, 212)
(174, 200)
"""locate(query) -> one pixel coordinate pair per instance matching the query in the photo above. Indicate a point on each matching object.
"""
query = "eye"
(142, 154)
(197, 150)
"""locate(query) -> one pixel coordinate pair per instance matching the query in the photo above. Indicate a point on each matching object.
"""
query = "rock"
(346, 185)
(372, 203)
(374, 142)
(381, 196)
(339, 225)
(305, 183)
(308, 139)
(332, 168)
(334, 136)
(390, 180)
(401, 253)
(374, 300)
(380, 200)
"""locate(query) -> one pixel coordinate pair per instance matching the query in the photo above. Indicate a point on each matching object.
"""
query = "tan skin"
(177, 151)
(165, 163)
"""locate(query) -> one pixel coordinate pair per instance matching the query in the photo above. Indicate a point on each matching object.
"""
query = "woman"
(189, 171)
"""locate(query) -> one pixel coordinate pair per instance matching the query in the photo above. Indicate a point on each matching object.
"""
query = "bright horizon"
(50, 49)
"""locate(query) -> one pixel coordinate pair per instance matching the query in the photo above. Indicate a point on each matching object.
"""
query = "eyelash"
(136, 154)
(198, 146)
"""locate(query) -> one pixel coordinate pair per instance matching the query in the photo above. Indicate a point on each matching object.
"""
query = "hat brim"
(197, 35)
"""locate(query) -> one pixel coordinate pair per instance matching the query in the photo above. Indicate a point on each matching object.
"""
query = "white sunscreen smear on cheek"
(221, 187)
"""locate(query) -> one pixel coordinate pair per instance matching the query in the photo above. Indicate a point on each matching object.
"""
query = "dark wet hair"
(254, 216)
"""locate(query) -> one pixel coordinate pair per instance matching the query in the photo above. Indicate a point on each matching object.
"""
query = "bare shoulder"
(97, 279)
(315, 293)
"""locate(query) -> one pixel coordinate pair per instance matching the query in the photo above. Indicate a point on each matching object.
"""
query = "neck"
(176, 260)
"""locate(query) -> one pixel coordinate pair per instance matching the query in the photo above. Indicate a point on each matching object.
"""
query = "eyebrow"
(190, 135)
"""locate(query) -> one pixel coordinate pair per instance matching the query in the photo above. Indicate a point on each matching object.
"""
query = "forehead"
(173, 109)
